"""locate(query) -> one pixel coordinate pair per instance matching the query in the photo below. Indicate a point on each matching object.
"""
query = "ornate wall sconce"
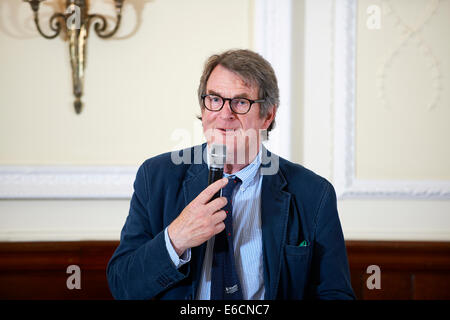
(76, 22)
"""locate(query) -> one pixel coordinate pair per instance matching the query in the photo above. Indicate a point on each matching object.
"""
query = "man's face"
(239, 132)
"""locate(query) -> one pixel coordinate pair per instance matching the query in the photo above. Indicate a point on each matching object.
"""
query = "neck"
(250, 156)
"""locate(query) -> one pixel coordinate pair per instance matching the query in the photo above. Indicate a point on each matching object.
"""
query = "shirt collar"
(248, 173)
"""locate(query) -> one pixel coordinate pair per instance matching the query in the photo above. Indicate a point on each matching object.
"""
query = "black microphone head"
(217, 155)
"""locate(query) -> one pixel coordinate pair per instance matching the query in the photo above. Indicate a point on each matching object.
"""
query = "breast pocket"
(295, 271)
(296, 251)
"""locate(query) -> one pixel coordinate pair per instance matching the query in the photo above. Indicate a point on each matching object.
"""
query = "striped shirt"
(247, 238)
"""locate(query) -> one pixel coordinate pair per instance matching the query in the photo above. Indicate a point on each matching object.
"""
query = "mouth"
(226, 130)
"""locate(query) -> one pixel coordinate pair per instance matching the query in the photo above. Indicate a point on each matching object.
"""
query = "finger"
(216, 204)
(219, 228)
(211, 190)
(218, 217)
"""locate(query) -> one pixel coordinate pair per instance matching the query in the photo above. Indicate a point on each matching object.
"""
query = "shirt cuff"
(177, 261)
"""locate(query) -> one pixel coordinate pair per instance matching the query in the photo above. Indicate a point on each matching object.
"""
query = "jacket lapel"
(274, 217)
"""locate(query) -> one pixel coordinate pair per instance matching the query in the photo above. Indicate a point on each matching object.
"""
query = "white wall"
(387, 160)
(160, 50)
(139, 86)
(140, 90)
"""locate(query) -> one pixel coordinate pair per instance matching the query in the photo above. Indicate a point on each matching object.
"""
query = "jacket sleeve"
(141, 267)
(331, 275)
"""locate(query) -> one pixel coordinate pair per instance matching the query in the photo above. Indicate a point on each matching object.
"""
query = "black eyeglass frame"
(203, 96)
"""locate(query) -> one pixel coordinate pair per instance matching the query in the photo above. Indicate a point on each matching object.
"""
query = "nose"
(226, 112)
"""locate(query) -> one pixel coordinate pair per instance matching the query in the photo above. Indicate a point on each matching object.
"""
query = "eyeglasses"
(238, 105)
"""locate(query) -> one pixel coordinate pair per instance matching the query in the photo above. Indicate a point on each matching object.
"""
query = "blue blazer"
(296, 205)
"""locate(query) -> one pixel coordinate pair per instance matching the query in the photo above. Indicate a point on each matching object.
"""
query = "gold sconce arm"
(101, 25)
(76, 21)
(55, 25)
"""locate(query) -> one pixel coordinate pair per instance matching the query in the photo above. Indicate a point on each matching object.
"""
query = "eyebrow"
(241, 95)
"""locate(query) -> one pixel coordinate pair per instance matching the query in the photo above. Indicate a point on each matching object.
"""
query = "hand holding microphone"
(203, 217)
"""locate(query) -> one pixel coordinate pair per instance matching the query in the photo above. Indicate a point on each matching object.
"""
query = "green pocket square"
(304, 243)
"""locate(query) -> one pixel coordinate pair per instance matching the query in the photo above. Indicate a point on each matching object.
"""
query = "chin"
(240, 148)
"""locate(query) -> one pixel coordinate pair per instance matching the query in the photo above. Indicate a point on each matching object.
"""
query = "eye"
(240, 102)
(214, 99)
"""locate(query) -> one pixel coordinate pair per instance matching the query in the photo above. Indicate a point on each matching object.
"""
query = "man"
(274, 235)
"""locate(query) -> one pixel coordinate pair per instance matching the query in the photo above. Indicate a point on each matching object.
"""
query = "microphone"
(217, 155)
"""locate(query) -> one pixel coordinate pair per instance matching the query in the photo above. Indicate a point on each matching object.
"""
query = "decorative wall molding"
(272, 34)
(66, 182)
(344, 176)
(411, 33)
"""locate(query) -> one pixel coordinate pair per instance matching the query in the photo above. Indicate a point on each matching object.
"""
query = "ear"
(270, 116)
